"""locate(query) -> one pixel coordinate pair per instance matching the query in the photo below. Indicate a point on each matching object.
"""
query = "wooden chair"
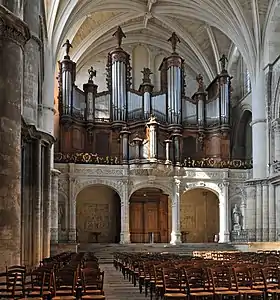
(65, 282)
(172, 284)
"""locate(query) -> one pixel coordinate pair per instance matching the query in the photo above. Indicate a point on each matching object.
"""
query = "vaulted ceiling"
(207, 28)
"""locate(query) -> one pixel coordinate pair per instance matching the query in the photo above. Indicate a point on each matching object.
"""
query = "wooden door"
(149, 215)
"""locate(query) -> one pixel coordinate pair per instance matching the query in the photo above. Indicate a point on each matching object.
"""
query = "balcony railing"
(95, 159)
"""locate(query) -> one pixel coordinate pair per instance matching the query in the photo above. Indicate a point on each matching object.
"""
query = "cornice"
(13, 28)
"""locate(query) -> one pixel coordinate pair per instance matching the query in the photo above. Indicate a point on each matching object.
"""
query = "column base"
(175, 238)
(72, 236)
(125, 238)
(224, 237)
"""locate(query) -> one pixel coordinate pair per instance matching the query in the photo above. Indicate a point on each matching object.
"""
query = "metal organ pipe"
(174, 88)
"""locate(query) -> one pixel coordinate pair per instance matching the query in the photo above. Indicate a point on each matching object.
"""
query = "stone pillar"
(125, 231)
(176, 198)
(54, 206)
(37, 203)
(259, 128)
(47, 202)
(224, 213)
(13, 35)
(265, 215)
(259, 212)
(72, 229)
(271, 213)
(277, 212)
(276, 127)
(250, 216)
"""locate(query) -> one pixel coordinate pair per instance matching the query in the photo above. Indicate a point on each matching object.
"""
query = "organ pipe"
(118, 64)
(68, 74)
(175, 83)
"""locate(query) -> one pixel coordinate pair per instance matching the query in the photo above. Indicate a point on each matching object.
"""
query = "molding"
(13, 28)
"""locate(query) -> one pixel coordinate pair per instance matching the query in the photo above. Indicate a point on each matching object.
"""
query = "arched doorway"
(199, 216)
(149, 216)
(98, 217)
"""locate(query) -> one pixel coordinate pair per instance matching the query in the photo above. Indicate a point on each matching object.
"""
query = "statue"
(223, 61)
(146, 75)
(67, 46)
(174, 41)
(119, 35)
(92, 73)
(236, 218)
(199, 79)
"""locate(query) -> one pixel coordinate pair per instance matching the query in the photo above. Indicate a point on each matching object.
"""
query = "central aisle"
(117, 288)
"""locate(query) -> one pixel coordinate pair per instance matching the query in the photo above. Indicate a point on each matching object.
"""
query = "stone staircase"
(105, 251)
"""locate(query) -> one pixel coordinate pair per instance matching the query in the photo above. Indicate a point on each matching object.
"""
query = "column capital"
(13, 28)
(55, 172)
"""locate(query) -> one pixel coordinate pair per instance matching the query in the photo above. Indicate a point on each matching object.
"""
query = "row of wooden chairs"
(65, 276)
(171, 277)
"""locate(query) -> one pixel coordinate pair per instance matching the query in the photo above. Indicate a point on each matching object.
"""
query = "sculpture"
(146, 75)
(92, 73)
(223, 61)
(236, 218)
(67, 46)
(174, 41)
(199, 79)
(119, 35)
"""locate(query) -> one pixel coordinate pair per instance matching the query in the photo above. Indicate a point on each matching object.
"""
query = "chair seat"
(64, 298)
(255, 292)
(175, 295)
(94, 297)
(274, 291)
(202, 294)
(231, 293)
(93, 292)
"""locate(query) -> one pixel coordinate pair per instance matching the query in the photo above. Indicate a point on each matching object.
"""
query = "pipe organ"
(144, 125)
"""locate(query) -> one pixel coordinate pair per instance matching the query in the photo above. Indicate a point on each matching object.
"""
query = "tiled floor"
(118, 288)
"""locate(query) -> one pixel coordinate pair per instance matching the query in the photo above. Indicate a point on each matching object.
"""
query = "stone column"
(37, 203)
(250, 216)
(259, 212)
(47, 202)
(271, 213)
(54, 206)
(125, 231)
(265, 215)
(277, 212)
(276, 127)
(259, 128)
(72, 229)
(224, 213)
(176, 230)
(13, 35)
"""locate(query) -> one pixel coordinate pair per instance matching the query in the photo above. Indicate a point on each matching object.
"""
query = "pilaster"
(125, 232)
(176, 231)
(271, 213)
(224, 213)
(54, 205)
(264, 211)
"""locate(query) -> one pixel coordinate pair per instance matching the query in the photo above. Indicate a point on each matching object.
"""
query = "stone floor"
(118, 288)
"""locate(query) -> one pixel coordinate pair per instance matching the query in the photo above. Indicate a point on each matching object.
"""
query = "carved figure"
(199, 79)
(119, 35)
(92, 73)
(146, 75)
(67, 46)
(223, 61)
(174, 41)
(236, 217)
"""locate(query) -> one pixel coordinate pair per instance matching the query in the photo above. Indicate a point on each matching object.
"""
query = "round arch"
(98, 214)
(166, 190)
(211, 186)
(200, 215)
(113, 184)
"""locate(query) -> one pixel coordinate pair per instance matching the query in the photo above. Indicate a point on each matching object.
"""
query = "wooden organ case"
(126, 126)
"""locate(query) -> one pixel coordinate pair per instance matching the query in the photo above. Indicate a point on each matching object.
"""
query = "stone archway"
(98, 215)
(199, 215)
(150, 216)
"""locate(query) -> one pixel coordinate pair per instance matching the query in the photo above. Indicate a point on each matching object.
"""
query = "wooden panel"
(136, 222)
(148, 214)
(102, 140)
(199, 216)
